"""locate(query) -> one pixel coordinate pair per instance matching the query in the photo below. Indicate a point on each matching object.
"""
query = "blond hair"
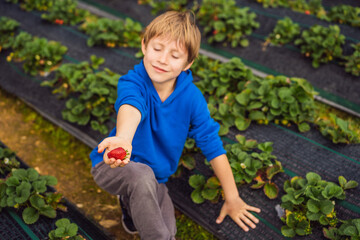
(178, 26)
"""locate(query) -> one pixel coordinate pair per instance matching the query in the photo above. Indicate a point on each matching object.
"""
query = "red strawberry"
(118, 153)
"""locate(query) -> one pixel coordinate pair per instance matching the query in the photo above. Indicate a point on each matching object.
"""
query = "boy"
(158, 107)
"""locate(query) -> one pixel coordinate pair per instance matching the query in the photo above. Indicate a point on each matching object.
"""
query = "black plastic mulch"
(330, 79)
(299, 153)
(13, 227)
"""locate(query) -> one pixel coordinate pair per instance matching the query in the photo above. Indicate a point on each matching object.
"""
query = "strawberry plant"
(249, 161)
(7, 161)
(345, 14)
(273, 3)
(187, 160)
(38, 54)
(158, 6)
(95, 102)
(349, 229)
(218, 78)
(209, 189)
(337, 129)
(224, 22)
(322, 44)
(26, 190)
(279, 99)
(30, 5)
(309, 201)
(205, 68)
(284, 32)
(69, 77)
(113, 33)
(7, 31)
(65, 230)
(352, 62)
(65, 12)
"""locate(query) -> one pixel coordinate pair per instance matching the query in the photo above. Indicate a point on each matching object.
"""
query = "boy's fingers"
(221, 216)
(247, 221)
(102, 146)
(252, 217)
(254, 209)
(241, 224)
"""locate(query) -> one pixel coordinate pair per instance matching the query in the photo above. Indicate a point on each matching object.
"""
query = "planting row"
(28, 193)
(307, 202)
(236, 96)
(223, 22)
(343, 14)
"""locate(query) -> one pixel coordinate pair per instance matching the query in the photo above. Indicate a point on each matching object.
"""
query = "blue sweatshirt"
(160, 137)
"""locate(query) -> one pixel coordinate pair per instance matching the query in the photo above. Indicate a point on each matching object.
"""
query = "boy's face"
(164, 60)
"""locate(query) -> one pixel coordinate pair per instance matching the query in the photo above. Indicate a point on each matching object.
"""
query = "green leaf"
(313, 206)
(254, 105)
(213, 182)
(313, 178)
(30, 215)
(287, 231)
(39, 186)
(323, 220)
(32, 174)
(223, 109)
(37, 202)
(240, 138)
(63, 222)
(243, 97)
(60, 232)
(20, 173)
(197, 181)
(313, 216)
(244, 42)
(219, 37)
(48, 211)
(271, 190)
(196, 196)
(275, 169)
(209, 194)
(12, 181)
(351, 184)
(50, 180)
(304, 127)
(188, 162)
(350, 231)
(257, 115)
(326, 207)
(257, 185)
(72, 229)
(242, 123)
(342, 181)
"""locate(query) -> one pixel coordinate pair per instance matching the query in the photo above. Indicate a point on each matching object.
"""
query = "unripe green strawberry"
(118, 153)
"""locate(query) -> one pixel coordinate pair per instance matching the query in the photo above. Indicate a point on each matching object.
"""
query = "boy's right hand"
(111, 143)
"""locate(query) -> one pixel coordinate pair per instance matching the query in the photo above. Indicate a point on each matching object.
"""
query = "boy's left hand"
(238, 210)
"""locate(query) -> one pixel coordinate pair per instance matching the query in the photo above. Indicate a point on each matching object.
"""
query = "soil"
(73, 172)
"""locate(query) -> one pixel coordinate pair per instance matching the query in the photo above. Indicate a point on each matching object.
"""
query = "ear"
(143, 47)
(188, 66)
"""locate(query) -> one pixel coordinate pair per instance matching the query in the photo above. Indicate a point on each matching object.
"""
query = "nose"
(163, 58)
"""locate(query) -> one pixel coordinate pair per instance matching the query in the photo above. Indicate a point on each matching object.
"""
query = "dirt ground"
(73, 173)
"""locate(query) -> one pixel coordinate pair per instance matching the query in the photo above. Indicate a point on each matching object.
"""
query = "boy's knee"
(142, 178)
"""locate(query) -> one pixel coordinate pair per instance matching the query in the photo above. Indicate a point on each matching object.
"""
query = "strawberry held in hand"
(118, 153)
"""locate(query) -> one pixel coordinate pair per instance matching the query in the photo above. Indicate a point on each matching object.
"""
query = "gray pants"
(147, 201)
